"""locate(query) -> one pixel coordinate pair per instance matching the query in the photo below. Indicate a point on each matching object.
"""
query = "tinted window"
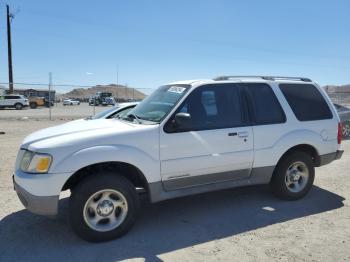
(306, 102)
(12, 97)
(264, 104)
(214, 107)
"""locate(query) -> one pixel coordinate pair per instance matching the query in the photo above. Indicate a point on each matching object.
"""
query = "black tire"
(279, 181)
(88, 187)
(33, 105)
(18, 106)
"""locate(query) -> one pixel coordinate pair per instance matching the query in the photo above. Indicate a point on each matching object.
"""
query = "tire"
(293, 176)
(33, 105)
(82, 216)
(18, 106)
(346, 129)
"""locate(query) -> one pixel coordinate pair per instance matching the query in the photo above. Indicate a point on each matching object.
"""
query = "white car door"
(8, 101)
(218, 145)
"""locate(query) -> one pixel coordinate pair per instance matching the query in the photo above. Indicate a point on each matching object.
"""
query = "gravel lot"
(246, 224)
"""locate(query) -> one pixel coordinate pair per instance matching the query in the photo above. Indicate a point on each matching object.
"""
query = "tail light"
(340, 129)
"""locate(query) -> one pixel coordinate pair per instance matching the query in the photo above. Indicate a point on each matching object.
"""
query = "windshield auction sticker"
(176, 89)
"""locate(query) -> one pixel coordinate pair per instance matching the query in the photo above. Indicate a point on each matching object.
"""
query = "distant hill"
(119, 92)
(337, 89)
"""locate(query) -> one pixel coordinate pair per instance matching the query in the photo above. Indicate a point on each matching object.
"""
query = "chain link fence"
(47, 101)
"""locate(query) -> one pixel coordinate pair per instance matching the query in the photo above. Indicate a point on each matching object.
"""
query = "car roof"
(244, 79)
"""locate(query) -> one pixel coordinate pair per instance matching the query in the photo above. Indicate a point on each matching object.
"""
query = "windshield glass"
(156, 106)
(104, 113)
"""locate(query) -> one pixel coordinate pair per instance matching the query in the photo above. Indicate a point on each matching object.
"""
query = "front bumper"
(41, 205)
(328, 158)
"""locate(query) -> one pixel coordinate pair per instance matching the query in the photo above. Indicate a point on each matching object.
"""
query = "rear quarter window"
(306, 102)
(266, 108)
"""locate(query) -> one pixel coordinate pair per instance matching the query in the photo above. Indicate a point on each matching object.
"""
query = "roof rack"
(270, 78)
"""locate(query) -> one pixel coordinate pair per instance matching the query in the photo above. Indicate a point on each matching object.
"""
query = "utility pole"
(9, 48)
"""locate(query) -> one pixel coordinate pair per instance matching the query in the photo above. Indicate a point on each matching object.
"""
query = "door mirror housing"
(182, 121)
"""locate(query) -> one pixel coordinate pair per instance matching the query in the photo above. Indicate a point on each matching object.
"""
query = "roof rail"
(270, 78)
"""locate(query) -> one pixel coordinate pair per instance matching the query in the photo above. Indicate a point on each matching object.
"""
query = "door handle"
(232, 134)
(243, 134)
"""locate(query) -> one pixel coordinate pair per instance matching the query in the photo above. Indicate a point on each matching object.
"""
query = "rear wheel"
(33, 105)
(293, 176)
(103, 207)
(18, 106)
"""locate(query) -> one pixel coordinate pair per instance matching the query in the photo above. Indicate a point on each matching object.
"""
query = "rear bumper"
(328, 158)
(41, 205)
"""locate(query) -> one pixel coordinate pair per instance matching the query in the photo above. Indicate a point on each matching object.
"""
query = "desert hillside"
(337, 89)
(119, 92)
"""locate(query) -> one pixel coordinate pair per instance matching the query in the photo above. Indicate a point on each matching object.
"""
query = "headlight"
(35, 162)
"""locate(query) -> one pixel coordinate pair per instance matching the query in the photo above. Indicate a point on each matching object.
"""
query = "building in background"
(36, 93)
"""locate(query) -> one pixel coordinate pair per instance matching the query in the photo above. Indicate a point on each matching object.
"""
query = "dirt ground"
(246, 224)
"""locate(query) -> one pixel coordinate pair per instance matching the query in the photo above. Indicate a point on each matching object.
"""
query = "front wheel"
(293, 176)
(103, 207)
(18, 106)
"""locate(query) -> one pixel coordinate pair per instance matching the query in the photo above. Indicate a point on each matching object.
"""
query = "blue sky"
(155, 42)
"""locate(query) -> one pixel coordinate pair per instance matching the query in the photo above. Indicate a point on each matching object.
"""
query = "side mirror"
(182, 121)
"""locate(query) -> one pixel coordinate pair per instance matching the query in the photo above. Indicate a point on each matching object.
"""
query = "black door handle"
(232, 134)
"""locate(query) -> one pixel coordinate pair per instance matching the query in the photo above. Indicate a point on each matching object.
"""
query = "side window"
(265, 106)
(306, 102)
(209, 102)
(214, 107)
(12, 97)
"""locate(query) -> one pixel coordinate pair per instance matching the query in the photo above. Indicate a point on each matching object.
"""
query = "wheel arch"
(128, 171)
(306, 148)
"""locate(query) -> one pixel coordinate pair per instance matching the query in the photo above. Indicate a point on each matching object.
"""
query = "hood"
(77, 126)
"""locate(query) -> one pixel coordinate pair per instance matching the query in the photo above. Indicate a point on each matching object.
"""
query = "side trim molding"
(190, 181)
(260, 175)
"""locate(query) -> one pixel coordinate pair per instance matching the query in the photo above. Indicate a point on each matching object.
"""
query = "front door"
(218, 145)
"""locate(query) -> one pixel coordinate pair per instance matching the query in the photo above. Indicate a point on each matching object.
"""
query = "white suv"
(14, 101)
(186, 138)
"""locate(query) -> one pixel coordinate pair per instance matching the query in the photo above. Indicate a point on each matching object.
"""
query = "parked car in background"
(109, 101)
(118, 111)
(102, 98)
(35, 101)
(70, 102)
(344, 115)
(13, 101)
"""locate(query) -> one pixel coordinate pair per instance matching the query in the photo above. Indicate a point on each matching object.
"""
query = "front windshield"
(104, 113)
(155, 107)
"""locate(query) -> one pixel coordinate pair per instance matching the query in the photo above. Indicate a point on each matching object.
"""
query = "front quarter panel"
(148, 165)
